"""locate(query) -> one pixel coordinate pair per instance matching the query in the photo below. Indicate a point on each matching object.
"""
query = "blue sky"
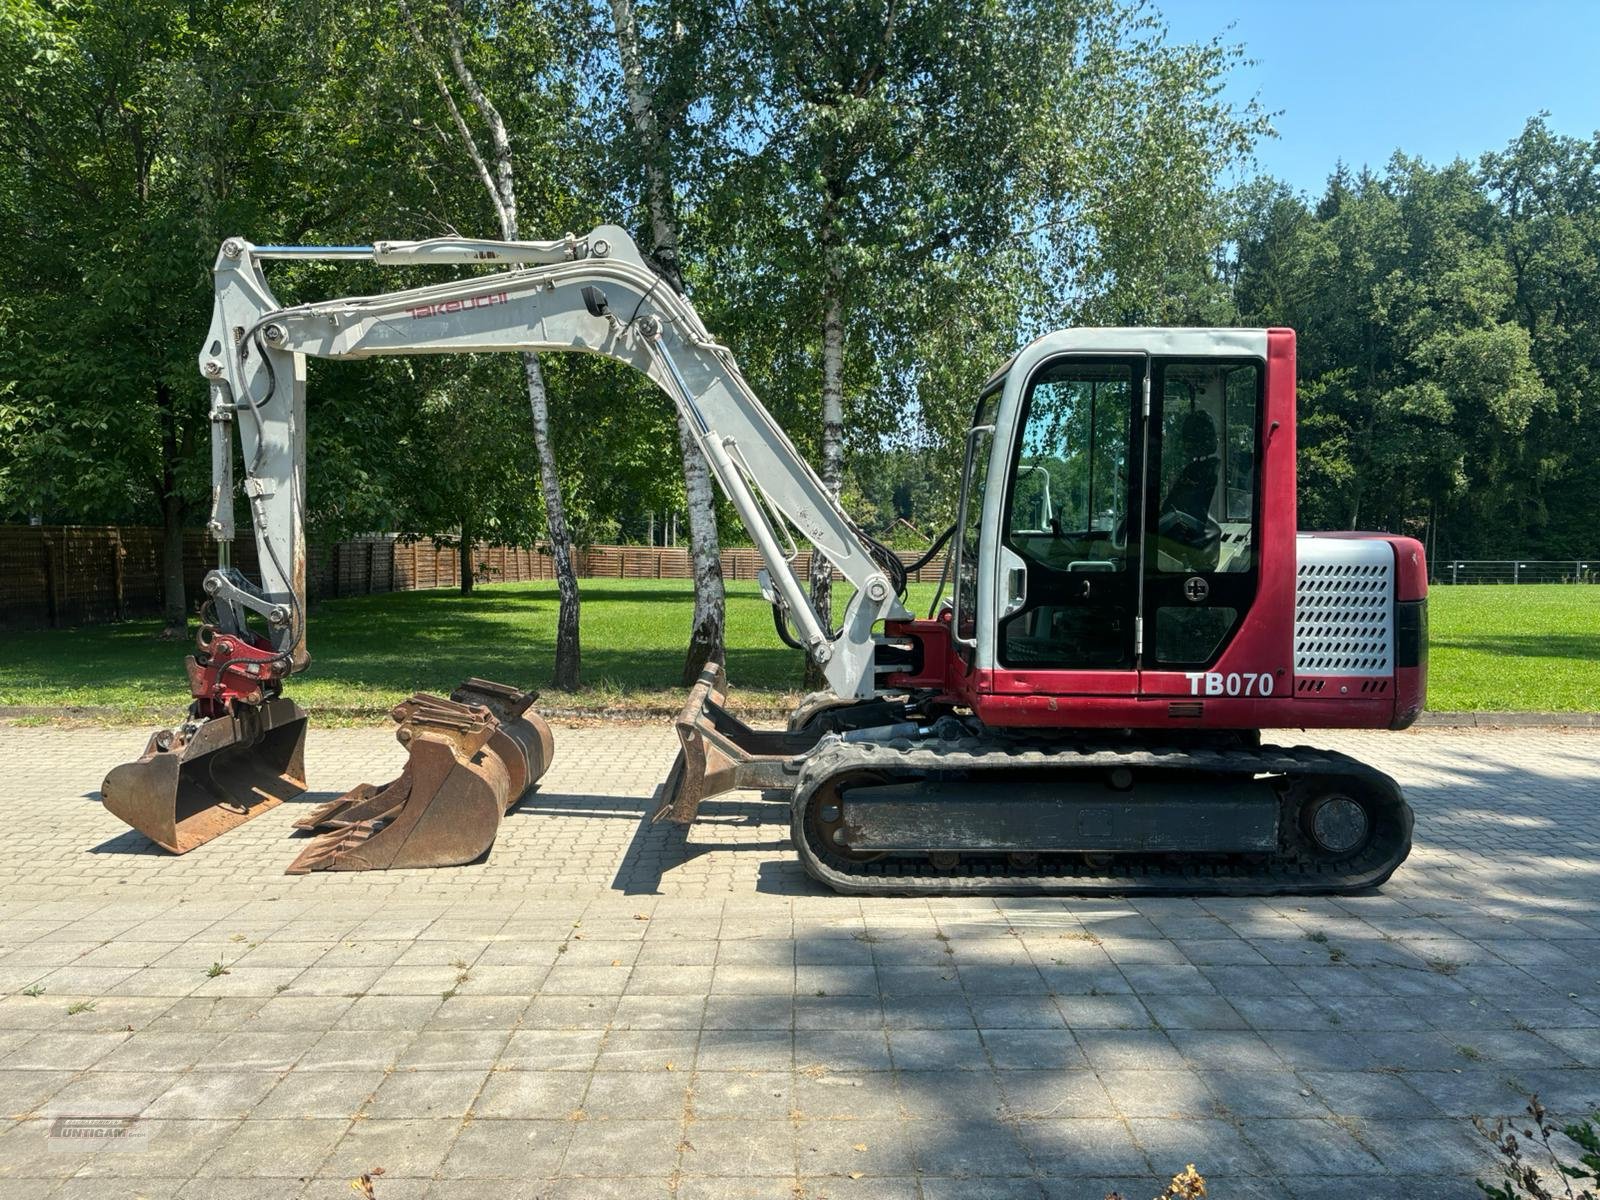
(1357, 79)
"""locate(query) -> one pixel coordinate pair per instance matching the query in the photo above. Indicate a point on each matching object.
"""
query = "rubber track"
(1297, 870)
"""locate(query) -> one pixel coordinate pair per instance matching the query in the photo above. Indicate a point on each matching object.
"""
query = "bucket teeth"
(202, 779)
(471, 758)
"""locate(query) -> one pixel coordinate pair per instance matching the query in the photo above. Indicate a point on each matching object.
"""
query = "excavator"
(1131, 606)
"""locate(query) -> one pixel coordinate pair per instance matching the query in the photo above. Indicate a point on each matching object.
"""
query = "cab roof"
(1165, 341)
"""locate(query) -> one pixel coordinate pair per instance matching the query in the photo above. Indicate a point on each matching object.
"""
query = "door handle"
(1015, 574)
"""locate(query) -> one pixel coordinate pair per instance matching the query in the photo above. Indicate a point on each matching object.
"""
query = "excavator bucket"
(720, 753)
(471, 758)
(202, 779)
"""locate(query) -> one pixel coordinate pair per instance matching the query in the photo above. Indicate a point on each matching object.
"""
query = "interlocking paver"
(604, 1007)
(307, 1094)
(426, 1094)
(411, 1148)
(292, 1148)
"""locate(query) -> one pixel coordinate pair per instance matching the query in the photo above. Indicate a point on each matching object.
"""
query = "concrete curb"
(1509, 720)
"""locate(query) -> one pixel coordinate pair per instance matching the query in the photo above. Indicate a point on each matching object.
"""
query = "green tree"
(659, 119)
(469, 456)
(1417, 384)
(918, 173)
(1545, 192)
(486, 32)
(135, 133)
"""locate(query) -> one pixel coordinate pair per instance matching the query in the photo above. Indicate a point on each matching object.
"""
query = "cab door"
(1201, 515)
(1071, 530)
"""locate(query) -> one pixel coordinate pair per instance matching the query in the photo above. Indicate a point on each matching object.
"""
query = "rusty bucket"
(471, 758)
(204, 778)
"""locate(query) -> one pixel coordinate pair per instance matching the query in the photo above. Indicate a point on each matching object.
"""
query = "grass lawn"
(1493, 648)
(1510, 648)
(368, 652)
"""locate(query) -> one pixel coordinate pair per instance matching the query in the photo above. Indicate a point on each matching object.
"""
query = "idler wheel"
(827, 820)
(1338, 824)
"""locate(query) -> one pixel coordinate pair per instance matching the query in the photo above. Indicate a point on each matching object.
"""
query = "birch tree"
(652, 134)
(496, 170)
(921, 158)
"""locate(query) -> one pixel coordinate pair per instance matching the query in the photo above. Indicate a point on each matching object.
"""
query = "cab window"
(1070, 495)
(1205, 497)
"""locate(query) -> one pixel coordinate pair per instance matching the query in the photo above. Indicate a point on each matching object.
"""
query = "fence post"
(1516, 571)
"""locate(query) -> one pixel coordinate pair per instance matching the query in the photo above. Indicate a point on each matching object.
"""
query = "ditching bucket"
(472, 757)
(720, 753)
(200, 780)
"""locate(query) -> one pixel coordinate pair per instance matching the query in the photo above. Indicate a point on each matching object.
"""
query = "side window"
(1067, 517)
(975, 484)
(1205, 516)
(1069, 499)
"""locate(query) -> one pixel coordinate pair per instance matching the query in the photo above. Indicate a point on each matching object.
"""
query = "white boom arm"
(592, 295)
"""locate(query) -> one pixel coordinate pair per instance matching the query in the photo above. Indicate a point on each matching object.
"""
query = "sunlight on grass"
(1492, 648)
(1511, 648)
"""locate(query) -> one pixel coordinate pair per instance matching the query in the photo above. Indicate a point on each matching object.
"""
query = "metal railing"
(1516, 570)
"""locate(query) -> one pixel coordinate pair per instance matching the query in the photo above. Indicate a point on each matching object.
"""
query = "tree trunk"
(568, 667)
(706, 634)
(832, 450)
(501, 185)
(174, 607)
(465, 551)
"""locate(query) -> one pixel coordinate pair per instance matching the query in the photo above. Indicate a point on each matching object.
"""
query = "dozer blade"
(720, 753)
(201, 780)
(472, 757)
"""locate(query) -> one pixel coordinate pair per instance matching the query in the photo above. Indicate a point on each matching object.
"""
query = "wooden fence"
(87, 574)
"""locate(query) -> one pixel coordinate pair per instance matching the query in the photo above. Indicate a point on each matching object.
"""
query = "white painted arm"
(590, 295)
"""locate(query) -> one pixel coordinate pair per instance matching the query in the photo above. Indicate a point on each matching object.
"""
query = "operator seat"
(1186, 530)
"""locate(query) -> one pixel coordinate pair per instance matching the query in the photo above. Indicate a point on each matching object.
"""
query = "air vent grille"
(1344, 608)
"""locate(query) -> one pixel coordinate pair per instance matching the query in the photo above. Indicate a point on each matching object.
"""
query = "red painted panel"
(937, 659)
(1411, 574)
(1061, 682)
(1128, 712)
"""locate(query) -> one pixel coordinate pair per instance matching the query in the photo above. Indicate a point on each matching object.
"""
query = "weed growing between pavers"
(1187, 1184)
(1522, 1180)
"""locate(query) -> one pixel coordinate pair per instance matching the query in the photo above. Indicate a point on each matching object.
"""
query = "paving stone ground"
(607, 1008)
